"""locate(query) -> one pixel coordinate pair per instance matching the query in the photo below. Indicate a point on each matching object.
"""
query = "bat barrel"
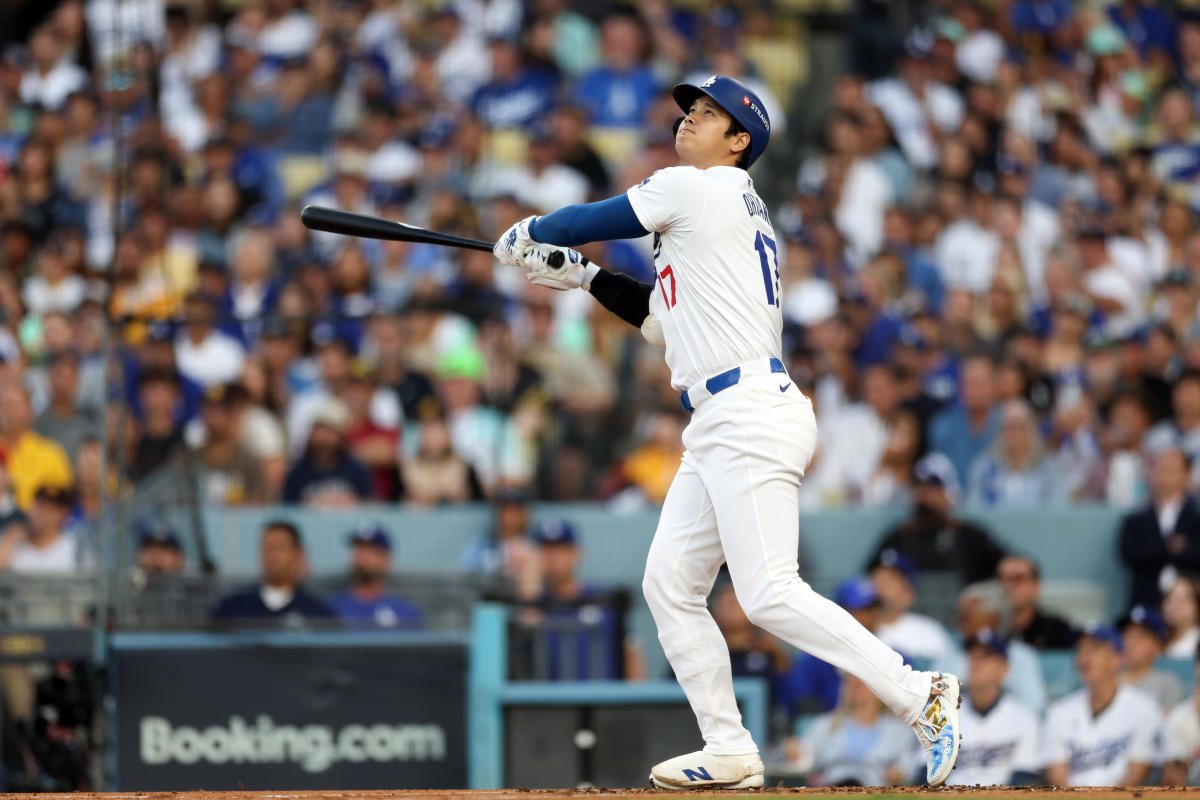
(332, 220)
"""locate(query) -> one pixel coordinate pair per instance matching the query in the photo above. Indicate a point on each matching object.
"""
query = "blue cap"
(991, 641)
(737, 101)
(555, 531)
(1148, 618)
(856, 594)
(894, 559)
(1104, 633)
(156, 533)
(370, 534)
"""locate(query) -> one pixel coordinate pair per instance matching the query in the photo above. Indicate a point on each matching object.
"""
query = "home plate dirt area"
(861, 793)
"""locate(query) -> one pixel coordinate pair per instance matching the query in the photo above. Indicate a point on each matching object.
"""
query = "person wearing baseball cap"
(1107, 733)
(1003, 731)
(932, 538)
(367, 603)
(895, 578)
(327, 474)
(1143, 638)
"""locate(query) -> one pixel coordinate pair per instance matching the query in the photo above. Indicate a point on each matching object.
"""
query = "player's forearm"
(622, 295)
(588, 222)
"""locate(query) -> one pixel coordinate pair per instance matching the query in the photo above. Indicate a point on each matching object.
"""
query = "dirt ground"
(945, 793)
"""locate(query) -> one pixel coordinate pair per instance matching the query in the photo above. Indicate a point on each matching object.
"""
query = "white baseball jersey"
(716, 265)
(1098, 750)
(1182, 739)
(996, 744)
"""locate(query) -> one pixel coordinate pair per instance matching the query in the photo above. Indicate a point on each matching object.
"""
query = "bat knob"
(556, 259)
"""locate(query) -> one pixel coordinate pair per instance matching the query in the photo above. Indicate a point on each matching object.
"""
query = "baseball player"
(1000, 735)
(714, 305)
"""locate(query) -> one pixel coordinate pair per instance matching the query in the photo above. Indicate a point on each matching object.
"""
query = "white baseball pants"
(734, 500)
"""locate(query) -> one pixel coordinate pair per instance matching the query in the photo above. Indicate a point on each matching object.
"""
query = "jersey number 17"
(762, 244)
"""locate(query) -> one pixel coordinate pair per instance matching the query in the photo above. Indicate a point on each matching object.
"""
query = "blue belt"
(719, 383)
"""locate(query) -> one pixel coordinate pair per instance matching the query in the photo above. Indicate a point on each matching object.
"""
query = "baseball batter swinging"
(715, 306)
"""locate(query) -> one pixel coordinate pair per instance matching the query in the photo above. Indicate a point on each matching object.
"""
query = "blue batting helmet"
(737, 101)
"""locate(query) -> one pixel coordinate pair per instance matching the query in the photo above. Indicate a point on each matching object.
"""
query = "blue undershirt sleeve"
(588, 222)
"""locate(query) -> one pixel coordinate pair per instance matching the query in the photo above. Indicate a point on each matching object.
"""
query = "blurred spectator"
(1181, 741)
(53, 287)
(32, 460)
(434, 474)
(1164, 537)
(966, 430)
(1021, 579)
(159, 551)
(857, 744)
(1000, 735)
(753, 653)
(1016, 471)
(1143, 635)
(1182, 428)
(374, 445)
(65, 420)
(618, 93)
(159, 434)
(981, 607)
(52, 75)
(327, 475)
(652, 465)
(582, 625)
(516, 95)
(1105, 734)
(931, 537)
(39, 545)
(232, 476)
(505, 553)
(895, 579)
(367, 602)
(204, 353)
(1181, 614)
(280, 597)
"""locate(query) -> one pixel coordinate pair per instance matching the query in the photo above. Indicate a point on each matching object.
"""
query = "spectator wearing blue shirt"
(620, 91)
(327, 475)
(968, 428)
(1146, 27)
(517, 95)
(279, 598)
(580, 626)
(368, 603)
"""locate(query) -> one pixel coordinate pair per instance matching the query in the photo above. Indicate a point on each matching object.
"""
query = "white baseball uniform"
(735, 499)
(1098, 750)
(996, 744)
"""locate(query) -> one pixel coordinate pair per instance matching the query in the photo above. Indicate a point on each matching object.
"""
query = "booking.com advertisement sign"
(210, 713)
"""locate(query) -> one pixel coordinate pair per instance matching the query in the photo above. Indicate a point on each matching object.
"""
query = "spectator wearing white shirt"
(1105, 734)
(203, 353)
(51, 77)
(916, 635)
(1181, 741)
(463, 64)
(966, 250)
(1143, 634)
(865, 191)
(38, 545)
(1117, 293)
(917, 107)
(54, 287)
(1000, 735)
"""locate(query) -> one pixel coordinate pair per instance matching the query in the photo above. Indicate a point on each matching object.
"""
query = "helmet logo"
(745, 100)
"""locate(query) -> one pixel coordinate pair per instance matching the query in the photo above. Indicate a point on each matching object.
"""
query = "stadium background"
(1004, 272)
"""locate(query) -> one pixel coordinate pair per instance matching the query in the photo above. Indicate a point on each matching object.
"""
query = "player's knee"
(656, 584)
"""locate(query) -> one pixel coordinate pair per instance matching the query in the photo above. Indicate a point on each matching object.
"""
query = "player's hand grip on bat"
(510, 248)
(558, 268)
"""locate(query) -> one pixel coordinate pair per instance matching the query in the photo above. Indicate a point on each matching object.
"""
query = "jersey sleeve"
(1026, 757)
(1147, 744)
(1053, 741)
(672, 198)
(1178, 744)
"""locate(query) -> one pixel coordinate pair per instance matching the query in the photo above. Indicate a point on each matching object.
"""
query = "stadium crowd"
(991, 278)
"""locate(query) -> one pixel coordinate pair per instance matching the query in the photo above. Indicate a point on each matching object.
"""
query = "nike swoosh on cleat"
(784, 388)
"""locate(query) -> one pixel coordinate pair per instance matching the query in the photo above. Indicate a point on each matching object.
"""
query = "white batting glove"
(510, 247)
(575, 272)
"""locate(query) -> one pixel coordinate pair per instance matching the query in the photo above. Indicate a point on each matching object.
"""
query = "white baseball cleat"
(937, 728)
(701, 770)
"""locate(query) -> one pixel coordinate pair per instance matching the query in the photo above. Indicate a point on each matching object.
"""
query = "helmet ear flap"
(675, 127)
